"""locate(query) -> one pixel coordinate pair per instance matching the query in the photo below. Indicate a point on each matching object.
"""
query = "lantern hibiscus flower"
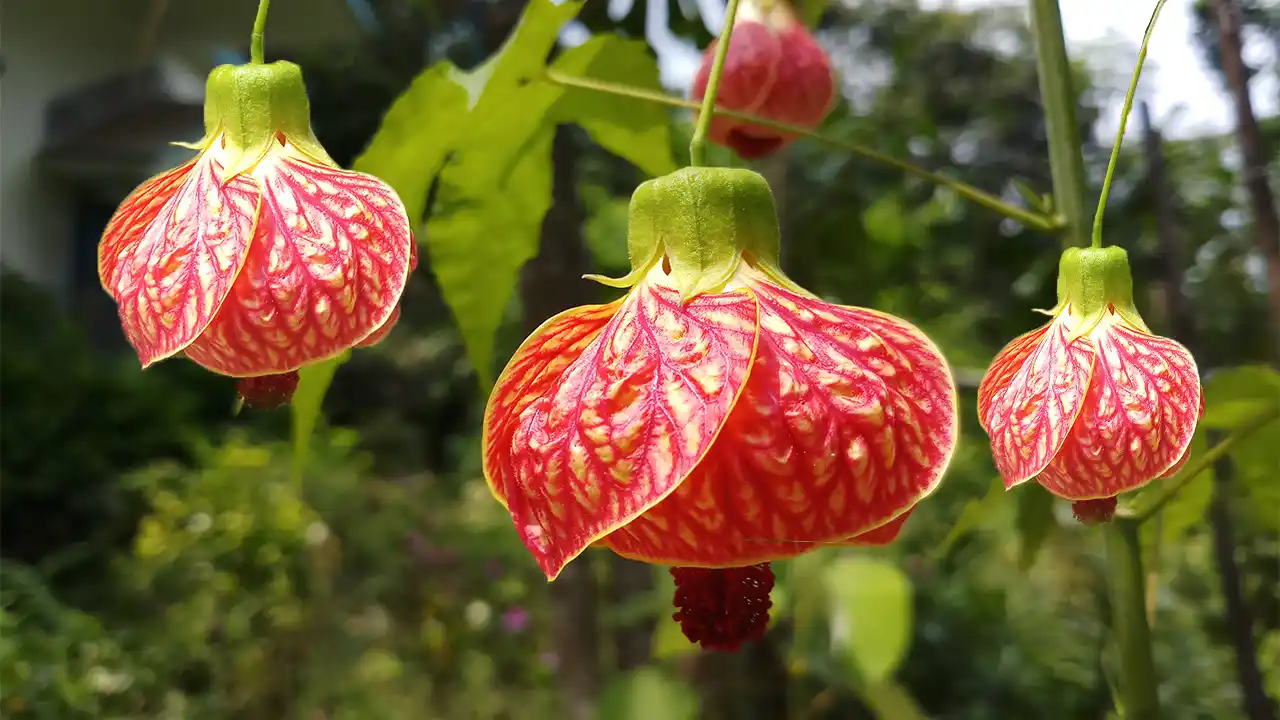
(1092, 404)
(718, 417)
(774, 69)
(259, 256)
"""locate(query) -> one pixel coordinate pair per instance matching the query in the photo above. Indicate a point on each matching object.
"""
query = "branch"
(1032, 220)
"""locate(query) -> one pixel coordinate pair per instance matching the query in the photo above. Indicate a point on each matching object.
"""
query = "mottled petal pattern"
(1138, 418)
(537, 366)
(326, 269)
(129, 223)
(627, 421)
(1031, 396)
(171, 281)
(849, 418)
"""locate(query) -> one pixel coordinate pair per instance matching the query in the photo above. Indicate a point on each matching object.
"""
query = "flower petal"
(535, 368)
(170, 276)
(127, 226)
(1137, 420)
(626, 422)
(327, 267)
(1030, 398)
(849, 418)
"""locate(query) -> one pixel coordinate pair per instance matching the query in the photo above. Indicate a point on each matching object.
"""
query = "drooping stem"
(259, 28)
(1030, 219)
(1129, 620)
(1170, 488)
(698, 145)
(1058, 97)
(1124, 119)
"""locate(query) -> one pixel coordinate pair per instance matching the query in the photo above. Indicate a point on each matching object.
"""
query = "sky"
(1185, 97)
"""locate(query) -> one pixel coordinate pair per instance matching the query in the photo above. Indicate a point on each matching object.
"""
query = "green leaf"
(646, 694)
(871, 616)
(416, 136)
(1236, 396)
(313, 383)
(634, 130)
(1256, 459)
(1034, 521)
(479, 238)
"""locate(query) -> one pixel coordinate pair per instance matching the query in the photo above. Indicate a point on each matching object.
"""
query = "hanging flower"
(1092, 404)
(774, 69)
(259, 256)
(718, 417)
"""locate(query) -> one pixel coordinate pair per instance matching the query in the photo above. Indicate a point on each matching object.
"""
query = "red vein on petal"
(628, 420)
(325, 271)
(848, 420)
(1030, 416)
(172, 283)
(1138, 417)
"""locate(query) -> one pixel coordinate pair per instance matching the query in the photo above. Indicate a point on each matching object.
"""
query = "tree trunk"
(552, 282)
(1266, 223)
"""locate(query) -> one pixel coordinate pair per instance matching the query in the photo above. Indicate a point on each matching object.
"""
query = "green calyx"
(1095, 280)
(702, 220)
(249, 105)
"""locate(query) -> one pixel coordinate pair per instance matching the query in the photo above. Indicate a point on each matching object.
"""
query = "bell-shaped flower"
(1092, 404)
(718, 416)
(774, 69)
(258, 256)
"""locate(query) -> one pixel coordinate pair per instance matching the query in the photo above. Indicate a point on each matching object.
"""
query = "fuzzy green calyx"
(1093, 280)
(249, 105)
(702, 220)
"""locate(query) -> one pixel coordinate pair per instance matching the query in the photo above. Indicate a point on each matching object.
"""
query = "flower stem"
(1170, 488)
(698, 145)
(1129, 621)
(1124, 119)
(1032, 220)
(1066, 164)
(259, 28)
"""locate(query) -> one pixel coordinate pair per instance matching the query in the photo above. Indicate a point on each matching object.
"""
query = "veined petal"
(124, 231)
(1138, 418)
(170, 276)
(627, 421)
(1030, 397)
(326, 269)
(848, 419)
(535, 368)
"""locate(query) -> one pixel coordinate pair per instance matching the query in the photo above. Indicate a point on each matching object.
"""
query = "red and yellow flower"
(1092, 404)
(259, 256)
(774, 69)
(718, 416)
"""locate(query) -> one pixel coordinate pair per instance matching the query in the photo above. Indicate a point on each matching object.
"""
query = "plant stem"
(1066, 164)
(698, 145)
(1170, 488)
(259, 28)
(1124, 119)
(1129, 620)
(1030, 219)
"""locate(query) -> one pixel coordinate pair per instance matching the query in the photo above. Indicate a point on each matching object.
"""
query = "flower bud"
(774, 69)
